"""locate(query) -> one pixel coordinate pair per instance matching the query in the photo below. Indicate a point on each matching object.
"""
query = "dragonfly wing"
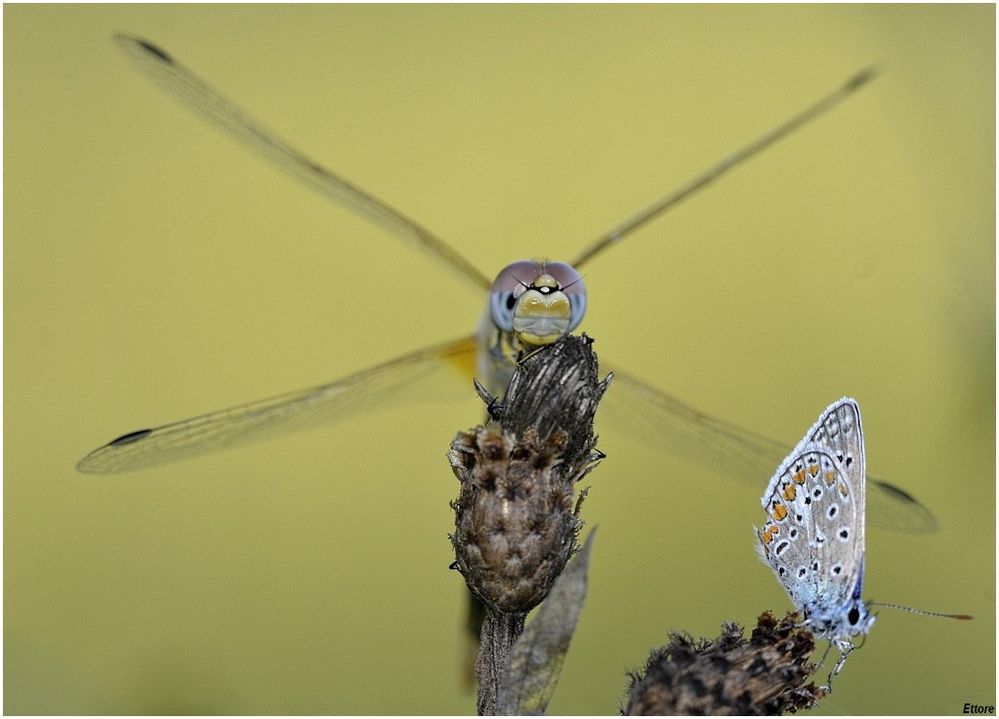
(421, 374)
(220, 112)
(651, 416)
(744, 153)
(891, 507)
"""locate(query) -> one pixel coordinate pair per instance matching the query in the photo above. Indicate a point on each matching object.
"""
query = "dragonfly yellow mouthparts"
(536, 301)
(530, 303)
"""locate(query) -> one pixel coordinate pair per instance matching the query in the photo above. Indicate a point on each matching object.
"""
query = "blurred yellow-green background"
(155, 270)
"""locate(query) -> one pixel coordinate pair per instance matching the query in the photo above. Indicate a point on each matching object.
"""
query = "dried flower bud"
(516, 523)
(730, 675)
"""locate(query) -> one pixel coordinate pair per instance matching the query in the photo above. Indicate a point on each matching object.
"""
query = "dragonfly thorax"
(537, 301)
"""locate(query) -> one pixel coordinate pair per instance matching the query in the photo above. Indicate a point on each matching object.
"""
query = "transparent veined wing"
(632, 407)
(636, 409)
(746, 152)
(183, 84)
(431, 372)
(650, 413)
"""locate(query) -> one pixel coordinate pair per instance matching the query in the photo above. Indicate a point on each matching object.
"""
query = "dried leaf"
(537, 657)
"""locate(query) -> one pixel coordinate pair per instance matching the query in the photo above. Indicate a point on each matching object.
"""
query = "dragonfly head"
(538, 301)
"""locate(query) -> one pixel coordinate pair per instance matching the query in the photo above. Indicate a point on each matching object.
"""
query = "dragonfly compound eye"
(539, 301)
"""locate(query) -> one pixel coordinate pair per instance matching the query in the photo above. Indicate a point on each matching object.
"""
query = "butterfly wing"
(840, 432)
(814, 536)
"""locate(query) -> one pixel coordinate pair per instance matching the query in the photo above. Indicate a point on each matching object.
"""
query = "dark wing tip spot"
(128, 41)
(901, 512)
(896, 491)
(152, 49)
(862, 77)
(130, 437)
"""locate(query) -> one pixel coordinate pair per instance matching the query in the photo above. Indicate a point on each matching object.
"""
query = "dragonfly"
(530, 303)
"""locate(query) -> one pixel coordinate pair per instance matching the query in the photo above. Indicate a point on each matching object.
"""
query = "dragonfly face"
(529, 304)
(537, 301)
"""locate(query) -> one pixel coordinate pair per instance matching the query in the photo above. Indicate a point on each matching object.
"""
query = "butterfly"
(813, 539)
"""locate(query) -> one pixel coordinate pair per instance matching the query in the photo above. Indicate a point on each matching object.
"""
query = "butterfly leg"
(845, 648)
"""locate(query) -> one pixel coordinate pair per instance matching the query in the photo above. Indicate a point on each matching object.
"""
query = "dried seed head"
(515, 519)
(730, 675)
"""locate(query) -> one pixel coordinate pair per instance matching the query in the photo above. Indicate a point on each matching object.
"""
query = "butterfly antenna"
(923, 612)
